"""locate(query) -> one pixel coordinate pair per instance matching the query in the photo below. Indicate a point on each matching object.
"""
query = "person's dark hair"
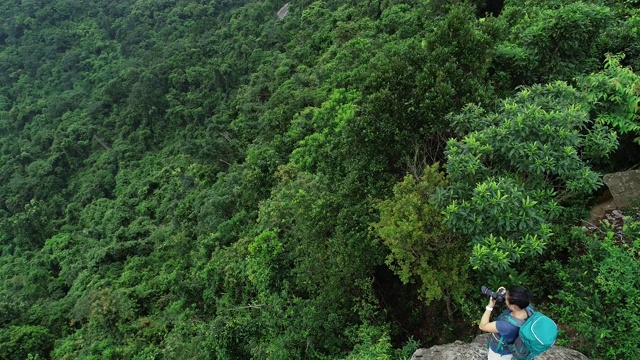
(519, 296)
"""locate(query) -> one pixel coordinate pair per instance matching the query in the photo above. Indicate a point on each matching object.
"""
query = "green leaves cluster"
(504, 222)
(553, 40)
(422, 248)
(512, 169)
(599, 287)
(615, 96)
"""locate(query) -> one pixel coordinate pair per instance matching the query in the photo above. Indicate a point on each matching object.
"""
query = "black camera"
(498, 296)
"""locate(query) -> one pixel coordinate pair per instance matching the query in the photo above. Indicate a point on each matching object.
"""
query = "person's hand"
(492, 301)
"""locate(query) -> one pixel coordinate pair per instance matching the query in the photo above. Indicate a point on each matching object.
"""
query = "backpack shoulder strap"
(506, 316)
(514, 321)
(500, 343)
(530, 310)
(519, 322)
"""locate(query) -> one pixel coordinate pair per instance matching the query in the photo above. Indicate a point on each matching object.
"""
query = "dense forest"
(203, 179)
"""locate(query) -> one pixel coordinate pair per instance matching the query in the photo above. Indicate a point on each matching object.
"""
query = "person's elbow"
(489, 327)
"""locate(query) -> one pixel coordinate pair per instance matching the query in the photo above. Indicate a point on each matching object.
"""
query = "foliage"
(313, 239)
(597, 306)
(421, 246)
(553, 40)
(615, 95)
(375, 344)
(198, 178)
(25, 341)
(513, 167)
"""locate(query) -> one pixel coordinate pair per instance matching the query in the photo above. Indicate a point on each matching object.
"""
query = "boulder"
(622, 189)
(477, 350)
(624, 186)
(284, 10)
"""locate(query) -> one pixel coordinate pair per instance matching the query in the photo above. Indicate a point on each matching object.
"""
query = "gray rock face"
(477, 350)
(284, 10)
(624, 186)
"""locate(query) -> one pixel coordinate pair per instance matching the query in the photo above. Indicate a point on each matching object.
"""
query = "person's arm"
(486, 324)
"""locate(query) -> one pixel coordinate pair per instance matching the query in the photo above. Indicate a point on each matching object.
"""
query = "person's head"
(518, 296)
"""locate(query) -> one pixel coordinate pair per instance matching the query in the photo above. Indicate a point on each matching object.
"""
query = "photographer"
(503, 331)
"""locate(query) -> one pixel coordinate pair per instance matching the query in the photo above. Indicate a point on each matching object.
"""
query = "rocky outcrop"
(284, 10)
(477, 350)
(624, 187)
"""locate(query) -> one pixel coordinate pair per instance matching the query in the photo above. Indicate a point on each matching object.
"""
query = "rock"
(624, 186)
(284, 10)
(477, 350)
(622, 189)
(604, 204)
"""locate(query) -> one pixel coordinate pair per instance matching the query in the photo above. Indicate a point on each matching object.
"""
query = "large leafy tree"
(552, 40)
(421, 247)
(511, 172)
(614, 95)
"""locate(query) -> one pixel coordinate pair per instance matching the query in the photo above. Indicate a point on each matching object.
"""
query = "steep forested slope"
(200, 179)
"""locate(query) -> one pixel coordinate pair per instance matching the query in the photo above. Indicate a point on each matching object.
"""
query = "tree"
(422, 247)
(25, 342)
(514, 168)
(552, 40)
(311, 263)
(614, 94)
(599, 285)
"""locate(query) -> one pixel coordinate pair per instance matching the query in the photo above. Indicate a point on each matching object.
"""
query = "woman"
(503, 330)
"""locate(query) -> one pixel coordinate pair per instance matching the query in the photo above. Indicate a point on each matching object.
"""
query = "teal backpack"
(536, 335)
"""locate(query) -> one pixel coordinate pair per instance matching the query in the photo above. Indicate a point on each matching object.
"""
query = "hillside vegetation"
(199, 179)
